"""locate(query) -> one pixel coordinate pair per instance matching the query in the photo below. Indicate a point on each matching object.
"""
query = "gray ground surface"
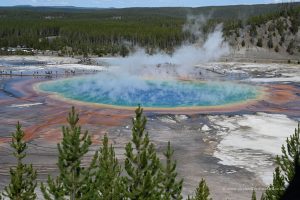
(199, 140)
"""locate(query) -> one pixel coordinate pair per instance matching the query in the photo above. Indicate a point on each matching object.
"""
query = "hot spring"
(152, 93)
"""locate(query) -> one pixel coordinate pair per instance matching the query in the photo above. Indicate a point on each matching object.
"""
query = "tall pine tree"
(141, 164)
(285, 171)
(107, 183)
(22, 177)
(277, 188)
(73, 179)
(171, 188)
(290, 155)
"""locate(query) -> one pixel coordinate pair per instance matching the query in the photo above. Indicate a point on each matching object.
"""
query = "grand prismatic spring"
(157, 94)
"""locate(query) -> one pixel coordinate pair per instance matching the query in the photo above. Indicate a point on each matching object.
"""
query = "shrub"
(290, 48)
(243, 43)
(259, 42)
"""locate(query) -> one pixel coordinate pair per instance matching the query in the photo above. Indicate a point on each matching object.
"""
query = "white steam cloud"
(182, 61)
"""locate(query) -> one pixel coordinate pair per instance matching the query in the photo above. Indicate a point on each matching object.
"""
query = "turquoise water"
(150, 93)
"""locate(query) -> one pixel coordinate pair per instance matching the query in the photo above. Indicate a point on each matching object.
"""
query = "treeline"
(98, 37)
(71, 31)
(287, 11)
(279, 19)
(242, 12)
(144, 176)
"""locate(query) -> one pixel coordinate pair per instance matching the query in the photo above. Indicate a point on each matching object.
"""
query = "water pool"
(151, 93)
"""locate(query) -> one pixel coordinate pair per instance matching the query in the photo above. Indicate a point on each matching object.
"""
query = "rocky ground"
(233, 149)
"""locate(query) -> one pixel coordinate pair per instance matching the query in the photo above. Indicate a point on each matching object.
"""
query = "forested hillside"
(83, 31)
(276, 31)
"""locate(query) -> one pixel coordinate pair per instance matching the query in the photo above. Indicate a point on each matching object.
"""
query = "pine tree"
(22, 177)
(189, 197)
(259, 42)
(243, 43)
(253, 195)
(277, 188)
(202, 192)
(270, 42)
(171, 188)
(73, 179)
(124, 51)
(290, 155)
(290, 48)
(108, 183)
(141, 164)
(285, 171)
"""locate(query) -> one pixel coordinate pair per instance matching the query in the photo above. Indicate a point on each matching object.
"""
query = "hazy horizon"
(135, 3)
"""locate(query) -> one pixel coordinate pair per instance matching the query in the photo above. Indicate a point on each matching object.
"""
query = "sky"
(135, 3)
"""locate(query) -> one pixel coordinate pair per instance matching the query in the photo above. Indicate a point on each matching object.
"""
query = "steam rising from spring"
(181, 62)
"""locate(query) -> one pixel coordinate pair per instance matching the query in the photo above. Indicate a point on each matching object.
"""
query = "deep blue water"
(151, 93)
